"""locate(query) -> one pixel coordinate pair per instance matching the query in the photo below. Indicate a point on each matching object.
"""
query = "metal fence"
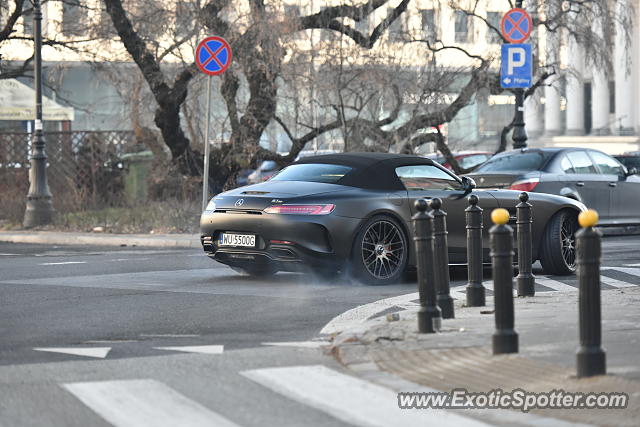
(84, 168)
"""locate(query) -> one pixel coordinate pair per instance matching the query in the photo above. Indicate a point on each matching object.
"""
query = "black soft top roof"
(375, 171)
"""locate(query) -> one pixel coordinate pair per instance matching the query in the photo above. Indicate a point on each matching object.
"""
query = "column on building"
(600, 124)
(575, 88)
(533, 123)
(552, 118)
(623, 67)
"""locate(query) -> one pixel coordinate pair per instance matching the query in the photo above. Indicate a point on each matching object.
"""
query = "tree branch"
(11, 21)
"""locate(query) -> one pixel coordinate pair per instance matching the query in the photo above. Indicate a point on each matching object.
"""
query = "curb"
(142, 240)
(629, 230)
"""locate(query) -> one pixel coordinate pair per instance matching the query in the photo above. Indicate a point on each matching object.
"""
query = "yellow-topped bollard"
(500, 216)
(505, 338)
(588, 218)
(591, 358)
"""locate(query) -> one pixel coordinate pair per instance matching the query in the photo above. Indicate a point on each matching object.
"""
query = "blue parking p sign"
(515, 71)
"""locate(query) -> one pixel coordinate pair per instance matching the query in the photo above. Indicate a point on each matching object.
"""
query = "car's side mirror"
(468, 184)
(632, 171)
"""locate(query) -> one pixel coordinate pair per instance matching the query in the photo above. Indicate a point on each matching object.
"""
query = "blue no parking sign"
(213, 55)
(516, 70)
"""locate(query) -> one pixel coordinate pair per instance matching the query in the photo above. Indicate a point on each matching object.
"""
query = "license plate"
(244, 240)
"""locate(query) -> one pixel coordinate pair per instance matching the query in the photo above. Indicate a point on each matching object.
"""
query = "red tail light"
(525, 184)
(300, 209)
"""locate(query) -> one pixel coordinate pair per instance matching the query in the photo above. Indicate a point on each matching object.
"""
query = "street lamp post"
(39, 208)
(519, 133)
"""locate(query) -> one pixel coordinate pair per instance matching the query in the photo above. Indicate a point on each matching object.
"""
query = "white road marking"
(169, 335)
(64, 263)
(204, 349)
(302, 344)
(555, 285)
(628, 265)
(127, 259)
(97, 352)
(459, 293)
(352, 400)
(488, 284)
(616, 283)
(629, 270)
(361, 313)
(144, 403)
(9, 254)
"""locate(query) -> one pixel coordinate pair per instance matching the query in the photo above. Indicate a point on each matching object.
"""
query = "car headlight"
(211, 206)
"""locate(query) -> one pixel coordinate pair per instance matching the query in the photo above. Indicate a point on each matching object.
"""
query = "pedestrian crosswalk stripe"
(97, 352)
(144, 403)
(615, 282)
(489, 285)
(349, 399)
(301, 344)
(204, 349)
(555, 285)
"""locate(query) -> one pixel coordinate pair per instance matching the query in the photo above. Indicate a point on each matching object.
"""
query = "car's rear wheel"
(255, 270)
(380, 252)
(558, 249)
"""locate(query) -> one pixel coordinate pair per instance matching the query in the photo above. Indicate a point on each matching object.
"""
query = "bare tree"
(374, 103)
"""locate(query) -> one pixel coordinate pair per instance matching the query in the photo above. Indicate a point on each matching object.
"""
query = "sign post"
(517, 64)
(213, 57)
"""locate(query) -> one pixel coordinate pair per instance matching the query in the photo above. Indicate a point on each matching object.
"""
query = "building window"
(292, 13)
(462, 27)
(493, 18)
(429, 30)
(397, 29)
(612, 97)
(184, 18)
(363, 25)
(73, 18)
(105, 28)
(27, 18)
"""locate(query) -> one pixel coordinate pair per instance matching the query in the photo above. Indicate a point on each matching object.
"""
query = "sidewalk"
(102, 239)
(460, 356)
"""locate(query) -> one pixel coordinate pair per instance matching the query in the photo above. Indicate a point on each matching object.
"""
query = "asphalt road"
(136, 302)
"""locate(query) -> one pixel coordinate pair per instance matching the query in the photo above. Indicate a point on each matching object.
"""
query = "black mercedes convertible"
(352, 212)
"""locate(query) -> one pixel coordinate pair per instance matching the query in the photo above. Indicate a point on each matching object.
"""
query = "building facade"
(582, 101)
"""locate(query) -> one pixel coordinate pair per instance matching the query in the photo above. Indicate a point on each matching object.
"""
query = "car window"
(566, 165)
(606, 164)
(581, 162)
(312, 172)
(629, 162)
(515, 161)
(268, 165)
(473, 160)
(425, 177)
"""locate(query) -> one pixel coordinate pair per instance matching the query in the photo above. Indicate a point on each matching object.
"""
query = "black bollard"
(429, 316)
(505, 338)
(441, 259)
(591, 358)
(526, 281)
(475, 290)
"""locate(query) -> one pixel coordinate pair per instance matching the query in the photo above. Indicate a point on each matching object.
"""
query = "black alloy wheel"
(558, 248)
(380, 252)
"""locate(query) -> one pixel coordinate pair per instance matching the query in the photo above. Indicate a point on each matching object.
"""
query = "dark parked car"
(630, 160)
(353, 211)
(265, 170)
(466, 159)
(590, 176)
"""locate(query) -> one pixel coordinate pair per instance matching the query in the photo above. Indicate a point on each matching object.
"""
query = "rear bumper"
(312, 241)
